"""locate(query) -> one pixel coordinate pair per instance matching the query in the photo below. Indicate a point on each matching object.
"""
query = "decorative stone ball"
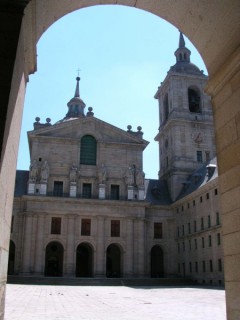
(90, 109)
(48, 120)
(129, 127)
(37, 119)
(139, 128)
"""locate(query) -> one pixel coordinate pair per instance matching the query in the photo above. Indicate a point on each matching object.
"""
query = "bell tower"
(186, 135)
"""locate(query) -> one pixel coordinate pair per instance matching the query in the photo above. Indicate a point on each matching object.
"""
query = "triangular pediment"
(76, 128)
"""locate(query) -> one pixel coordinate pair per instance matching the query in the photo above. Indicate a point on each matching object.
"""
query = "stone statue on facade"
(33, 171)
(73, 173)
(102, 172)
(44, 171)
(140, 178)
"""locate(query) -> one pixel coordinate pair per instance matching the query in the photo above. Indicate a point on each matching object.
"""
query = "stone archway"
(213, 28)
(11, 258)
(84, 260)
(114, 261)
(157, 262)
(54, 260)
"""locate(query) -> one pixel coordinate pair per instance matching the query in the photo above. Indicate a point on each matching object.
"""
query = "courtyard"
(41, 302)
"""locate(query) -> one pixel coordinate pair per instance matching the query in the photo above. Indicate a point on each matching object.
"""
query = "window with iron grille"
(158, 230)
(114, 195)
(58, 188)
(115, 228)
(88, 151)
(87, 190)
(56, 225)
(86, 227)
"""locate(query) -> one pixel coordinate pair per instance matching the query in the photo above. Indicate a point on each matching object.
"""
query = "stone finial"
(129, 127)
(90, 113)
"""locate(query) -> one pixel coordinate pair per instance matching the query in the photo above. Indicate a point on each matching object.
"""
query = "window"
(182, 208)
(182, 230)
(190, 267)
(216, 192)
(199, 156)
(195, 225)
(218, 239)
(88, 152)
(195, 244)
(189, 228)
(56, 225)
(190, 244)
(58, 188)
(166, 107)
(87, 190)
(183, 246)
(207, 196)
(203, 266)
(217, 219)
(114, 192)
(86, 227)
(193, 101)
(207, 155)
(209, 221)
(219, 265)
(201, 199)
(178, 247)
(115, 228)
(210, 265)
(178, 231)
(158, 230)
(202, 224)
(194, 203)
(209, 240)
(196, 266)
(203, 243)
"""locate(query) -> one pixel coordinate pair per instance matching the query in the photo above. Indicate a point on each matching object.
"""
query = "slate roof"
(157, 192)
(199, 178)
(21, 182)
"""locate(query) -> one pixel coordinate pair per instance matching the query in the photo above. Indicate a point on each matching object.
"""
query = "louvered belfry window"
(88, 150)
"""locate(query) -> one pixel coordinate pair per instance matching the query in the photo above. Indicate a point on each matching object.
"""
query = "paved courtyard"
(25, 302)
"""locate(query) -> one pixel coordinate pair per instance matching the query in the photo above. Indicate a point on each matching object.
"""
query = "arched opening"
(11, 258)
(113, 261)
(166, 107)
(84, 260)
(194, 101)
(54, 259)
(157, 263)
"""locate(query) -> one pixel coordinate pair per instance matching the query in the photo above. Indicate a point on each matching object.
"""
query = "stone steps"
(130, 282)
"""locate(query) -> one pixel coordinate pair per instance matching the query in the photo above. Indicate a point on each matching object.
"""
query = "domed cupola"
(183, 63)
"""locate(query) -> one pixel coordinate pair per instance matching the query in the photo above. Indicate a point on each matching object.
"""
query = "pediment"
(76, 128)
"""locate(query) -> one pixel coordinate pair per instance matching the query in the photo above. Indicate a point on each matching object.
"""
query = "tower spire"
(182, 53)
(181, 41)
(77, 91)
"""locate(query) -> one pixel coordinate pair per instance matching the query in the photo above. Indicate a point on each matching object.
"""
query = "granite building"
(85, 209)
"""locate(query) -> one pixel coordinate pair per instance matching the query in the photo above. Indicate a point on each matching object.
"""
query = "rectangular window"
(207, 196)
(194, 203)
(58, 188)
(209, 240)
(219, 265)
(189, 228)
(195, 225)
(202, 224)
(190, 267)
(216, 192)
(195, 244)
(190, 244)
(56, 225)
(158, 230)
(218, 239)
(114, 195)
(203, 243)
(207, 155)
(86, 227)
(115, 228)
(209, 221)
(182, 208)
(199, 156)
(217, 219)
(87, 190)
(203, 266)
(210, 266)
(201, 199)
(178, 232)
(183, 230)
(196, 266)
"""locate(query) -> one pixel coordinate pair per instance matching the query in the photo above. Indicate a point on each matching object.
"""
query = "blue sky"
(123, 55)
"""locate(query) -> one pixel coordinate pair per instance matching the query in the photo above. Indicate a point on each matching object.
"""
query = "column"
(129, 249)
(139, 247)
(70, 258)
(100, 250)
(39, 247)
(27, 245)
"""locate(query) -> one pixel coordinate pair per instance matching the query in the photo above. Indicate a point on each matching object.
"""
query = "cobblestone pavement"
(32, 302)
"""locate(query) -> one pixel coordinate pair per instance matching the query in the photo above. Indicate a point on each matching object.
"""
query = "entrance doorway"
(157, 269)
(54, 260)
(113, 261)
(84, 259)
(11, 258)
